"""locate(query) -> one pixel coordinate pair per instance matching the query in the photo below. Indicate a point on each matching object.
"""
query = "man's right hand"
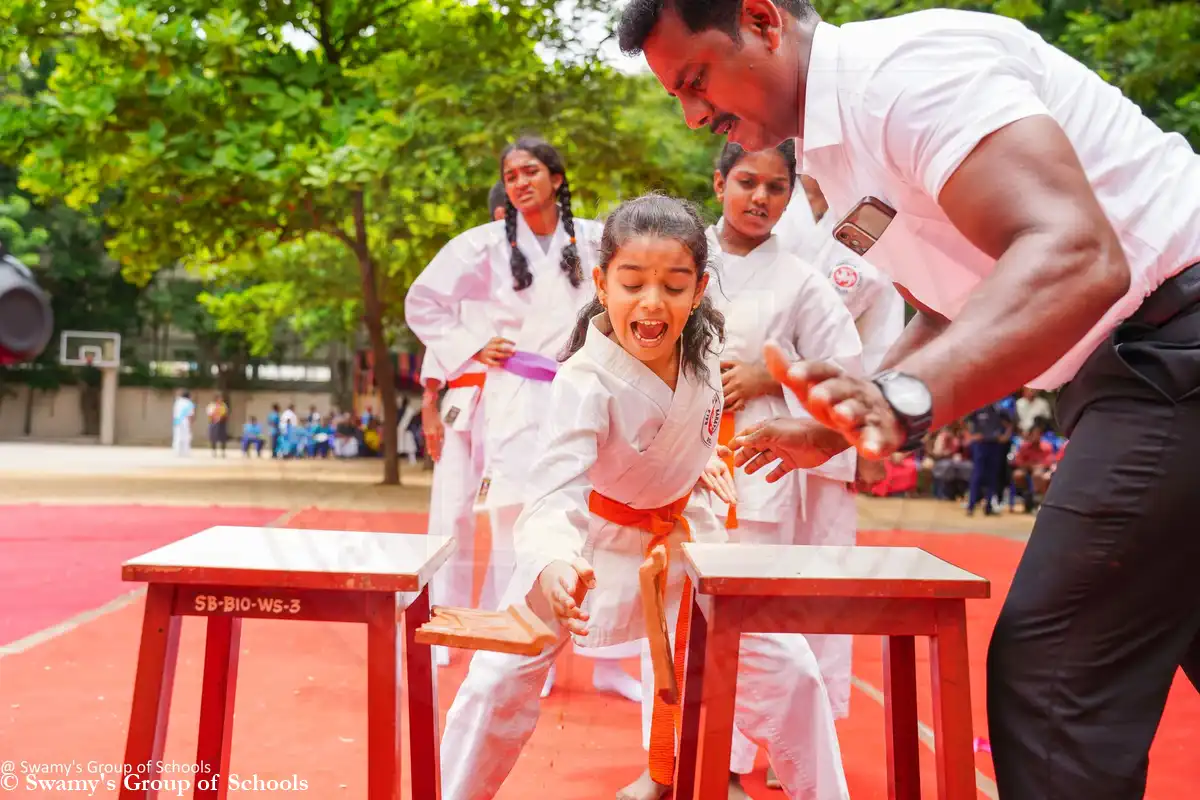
(564, 585)
(794, 443)
(496, 352)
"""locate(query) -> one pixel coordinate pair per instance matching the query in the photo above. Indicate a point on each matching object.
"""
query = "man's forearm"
(1042, 297)
(920, 331)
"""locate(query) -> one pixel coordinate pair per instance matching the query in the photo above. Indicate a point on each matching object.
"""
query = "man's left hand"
(853, 407)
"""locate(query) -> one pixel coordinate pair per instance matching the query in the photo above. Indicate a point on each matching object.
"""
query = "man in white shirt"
(1047, 232)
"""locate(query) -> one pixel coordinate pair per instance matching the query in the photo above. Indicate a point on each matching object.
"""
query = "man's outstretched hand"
(853, 407)
(794, 443)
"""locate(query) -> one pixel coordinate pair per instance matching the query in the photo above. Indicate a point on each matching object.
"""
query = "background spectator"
(989, 432)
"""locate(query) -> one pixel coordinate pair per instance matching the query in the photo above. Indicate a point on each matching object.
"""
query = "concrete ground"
(91, 474)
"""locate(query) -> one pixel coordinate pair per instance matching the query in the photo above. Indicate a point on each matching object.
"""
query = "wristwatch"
(911, 402)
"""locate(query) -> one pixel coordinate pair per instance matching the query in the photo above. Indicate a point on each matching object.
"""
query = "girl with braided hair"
(509, 286)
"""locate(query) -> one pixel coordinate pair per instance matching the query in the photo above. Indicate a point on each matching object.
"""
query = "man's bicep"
(1022, 179)
(939, 94)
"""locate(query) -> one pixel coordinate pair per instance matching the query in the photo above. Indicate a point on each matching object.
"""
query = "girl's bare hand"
(718, 479)
(564, 585)
(496, 352)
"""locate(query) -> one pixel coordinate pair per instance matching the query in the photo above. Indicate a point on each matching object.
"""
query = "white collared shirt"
(893, 106)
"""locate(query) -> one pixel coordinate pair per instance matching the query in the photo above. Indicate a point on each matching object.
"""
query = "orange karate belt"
(660, 522)
(725, 435)
(470, 379)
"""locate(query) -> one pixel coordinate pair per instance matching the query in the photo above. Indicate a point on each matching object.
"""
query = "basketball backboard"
(90, 349)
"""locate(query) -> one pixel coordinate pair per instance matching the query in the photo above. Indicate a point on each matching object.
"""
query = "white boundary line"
(982, 782)
(31, 641)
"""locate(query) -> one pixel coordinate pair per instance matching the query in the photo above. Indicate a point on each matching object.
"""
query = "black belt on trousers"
(1178, 293)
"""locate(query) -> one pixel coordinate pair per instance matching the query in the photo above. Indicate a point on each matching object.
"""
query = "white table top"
(294, 558)
(826, 571)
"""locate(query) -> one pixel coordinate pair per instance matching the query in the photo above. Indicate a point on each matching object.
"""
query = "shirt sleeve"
(554, 523)
(433, 306)
(431, 370)
(939, 94)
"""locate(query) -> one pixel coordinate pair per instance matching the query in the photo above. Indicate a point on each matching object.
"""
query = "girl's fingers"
(586, 574)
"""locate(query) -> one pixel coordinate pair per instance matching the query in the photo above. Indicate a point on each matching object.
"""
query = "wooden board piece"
(650, 574)
(299, 559)
(517, 630)
(827, 571)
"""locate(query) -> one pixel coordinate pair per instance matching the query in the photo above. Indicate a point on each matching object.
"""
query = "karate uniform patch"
(844, 277)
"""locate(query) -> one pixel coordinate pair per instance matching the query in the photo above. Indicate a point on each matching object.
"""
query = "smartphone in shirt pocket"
(860, 229)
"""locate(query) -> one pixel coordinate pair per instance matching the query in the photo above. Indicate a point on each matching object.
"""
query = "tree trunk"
(385, 375)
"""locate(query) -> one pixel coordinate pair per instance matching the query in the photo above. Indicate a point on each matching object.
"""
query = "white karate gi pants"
(831, 518)
(456, 479)
(781, 704)
(745, 750)
(181, 438)
(502, 560)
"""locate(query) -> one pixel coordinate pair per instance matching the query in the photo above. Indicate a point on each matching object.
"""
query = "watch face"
(908, 396)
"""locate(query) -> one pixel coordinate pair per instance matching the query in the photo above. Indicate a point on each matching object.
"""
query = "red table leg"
(157, 654)
(900, 710)
(383, 699)
(424, 732)
(717, 697)
(216, 707)
(693, 688)
(952, 703)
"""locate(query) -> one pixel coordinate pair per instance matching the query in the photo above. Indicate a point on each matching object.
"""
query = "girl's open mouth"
(649, 333)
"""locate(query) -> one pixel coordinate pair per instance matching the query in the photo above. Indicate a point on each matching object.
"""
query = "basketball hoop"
(88, 357)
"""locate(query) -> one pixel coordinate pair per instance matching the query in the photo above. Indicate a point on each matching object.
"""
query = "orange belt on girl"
(659, 523)
(470, 379)
(725, 434)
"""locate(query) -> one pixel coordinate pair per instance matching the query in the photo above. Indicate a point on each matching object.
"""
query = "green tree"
(235, 127)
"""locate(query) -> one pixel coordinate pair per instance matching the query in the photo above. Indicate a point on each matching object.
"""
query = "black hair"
(732, 153)
(569, 264)
(497, 198)
(640, 16)
(669, 218)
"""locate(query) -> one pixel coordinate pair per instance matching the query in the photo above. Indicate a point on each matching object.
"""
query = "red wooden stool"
(229, 573)
(895, 592)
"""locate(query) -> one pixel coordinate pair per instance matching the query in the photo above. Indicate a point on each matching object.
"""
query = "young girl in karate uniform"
(508, 286)
(626, 462)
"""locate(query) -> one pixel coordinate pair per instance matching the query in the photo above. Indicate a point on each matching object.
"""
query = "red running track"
(301, 692)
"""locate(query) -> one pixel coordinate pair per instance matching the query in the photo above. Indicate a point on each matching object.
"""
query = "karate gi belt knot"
(659, 523)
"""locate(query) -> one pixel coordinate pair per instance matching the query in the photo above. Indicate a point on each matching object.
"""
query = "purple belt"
(532, 366)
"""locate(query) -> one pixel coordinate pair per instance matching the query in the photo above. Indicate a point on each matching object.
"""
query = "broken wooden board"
(517, 630)
(651, 576)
